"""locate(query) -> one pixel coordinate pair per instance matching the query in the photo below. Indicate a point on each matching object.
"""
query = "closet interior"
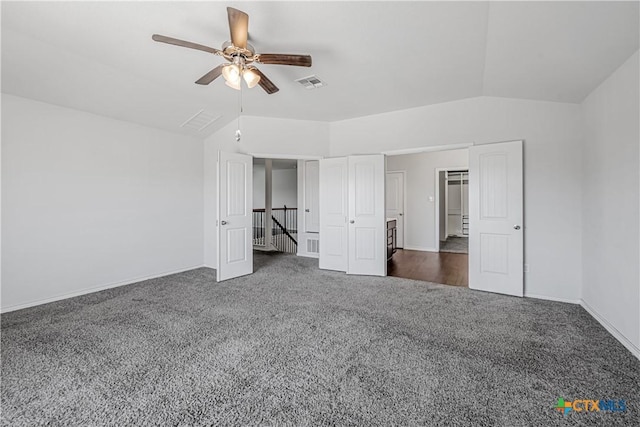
(457, 201)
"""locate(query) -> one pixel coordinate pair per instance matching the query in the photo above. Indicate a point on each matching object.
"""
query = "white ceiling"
(374, 56)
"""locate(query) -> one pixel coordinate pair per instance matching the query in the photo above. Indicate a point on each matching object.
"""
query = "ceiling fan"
(241, 55)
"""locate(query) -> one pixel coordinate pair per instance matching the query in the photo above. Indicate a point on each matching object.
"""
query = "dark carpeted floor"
(294, 345)
(456, 245)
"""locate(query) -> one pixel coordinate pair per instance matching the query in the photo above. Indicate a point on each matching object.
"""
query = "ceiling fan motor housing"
(229, 51)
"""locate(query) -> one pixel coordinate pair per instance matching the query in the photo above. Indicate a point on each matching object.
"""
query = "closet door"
(367, 219)
(333, 214)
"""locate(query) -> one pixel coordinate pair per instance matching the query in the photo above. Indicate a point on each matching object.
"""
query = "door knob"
(516, 227)
(223, 222)
(400, 214)
(306, 210)
(351, 222)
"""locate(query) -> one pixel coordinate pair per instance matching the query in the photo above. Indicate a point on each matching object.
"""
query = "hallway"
(445, 268)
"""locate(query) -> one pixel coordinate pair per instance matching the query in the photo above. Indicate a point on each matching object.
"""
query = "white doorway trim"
(437, 201)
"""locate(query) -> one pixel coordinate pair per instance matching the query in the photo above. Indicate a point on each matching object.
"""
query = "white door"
(495, 218)
(333, 214)
(311, 196)
(395, 203)
(367, 224)
(235, 207)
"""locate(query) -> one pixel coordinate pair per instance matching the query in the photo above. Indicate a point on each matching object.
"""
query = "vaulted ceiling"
(374, 56)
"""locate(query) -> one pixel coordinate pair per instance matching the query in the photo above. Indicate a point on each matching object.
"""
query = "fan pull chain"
(238, 133)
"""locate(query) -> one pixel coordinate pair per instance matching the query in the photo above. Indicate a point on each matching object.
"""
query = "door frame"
(404, 201)
(300, 182)
(437, 200)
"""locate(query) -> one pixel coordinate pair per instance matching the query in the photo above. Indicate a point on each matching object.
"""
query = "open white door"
(235, 207)
(333, 214)
(495, 218)
(367, 219)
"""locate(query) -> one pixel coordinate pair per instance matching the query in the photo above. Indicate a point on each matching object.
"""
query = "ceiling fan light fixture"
(233, 85)
(231, 73)
(250, 77)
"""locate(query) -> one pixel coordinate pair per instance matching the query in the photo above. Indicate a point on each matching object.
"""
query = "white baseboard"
(92, 290)
(593, 313)
(548, 298)
(611, 329)
(419, 248)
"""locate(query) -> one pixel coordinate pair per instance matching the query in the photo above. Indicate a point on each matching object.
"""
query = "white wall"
(552, 134)
(90, 202)
(258, 186)
(260, 135)
(610, 201)
(284, 188)
(420, 216)
(307, 241)
(284, 191)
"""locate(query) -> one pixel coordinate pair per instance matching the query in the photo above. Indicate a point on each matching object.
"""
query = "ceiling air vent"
(200, 120)
(311, 82)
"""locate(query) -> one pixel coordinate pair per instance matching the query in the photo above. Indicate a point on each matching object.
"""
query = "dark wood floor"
(437, 267)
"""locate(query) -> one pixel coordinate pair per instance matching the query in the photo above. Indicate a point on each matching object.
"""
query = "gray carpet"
(293, 345)
(456, 245)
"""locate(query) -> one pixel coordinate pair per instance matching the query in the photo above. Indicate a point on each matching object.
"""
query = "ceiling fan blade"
(177, 42)
(284, 59)
(265, 83)
(210, 76)
(239, 27)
